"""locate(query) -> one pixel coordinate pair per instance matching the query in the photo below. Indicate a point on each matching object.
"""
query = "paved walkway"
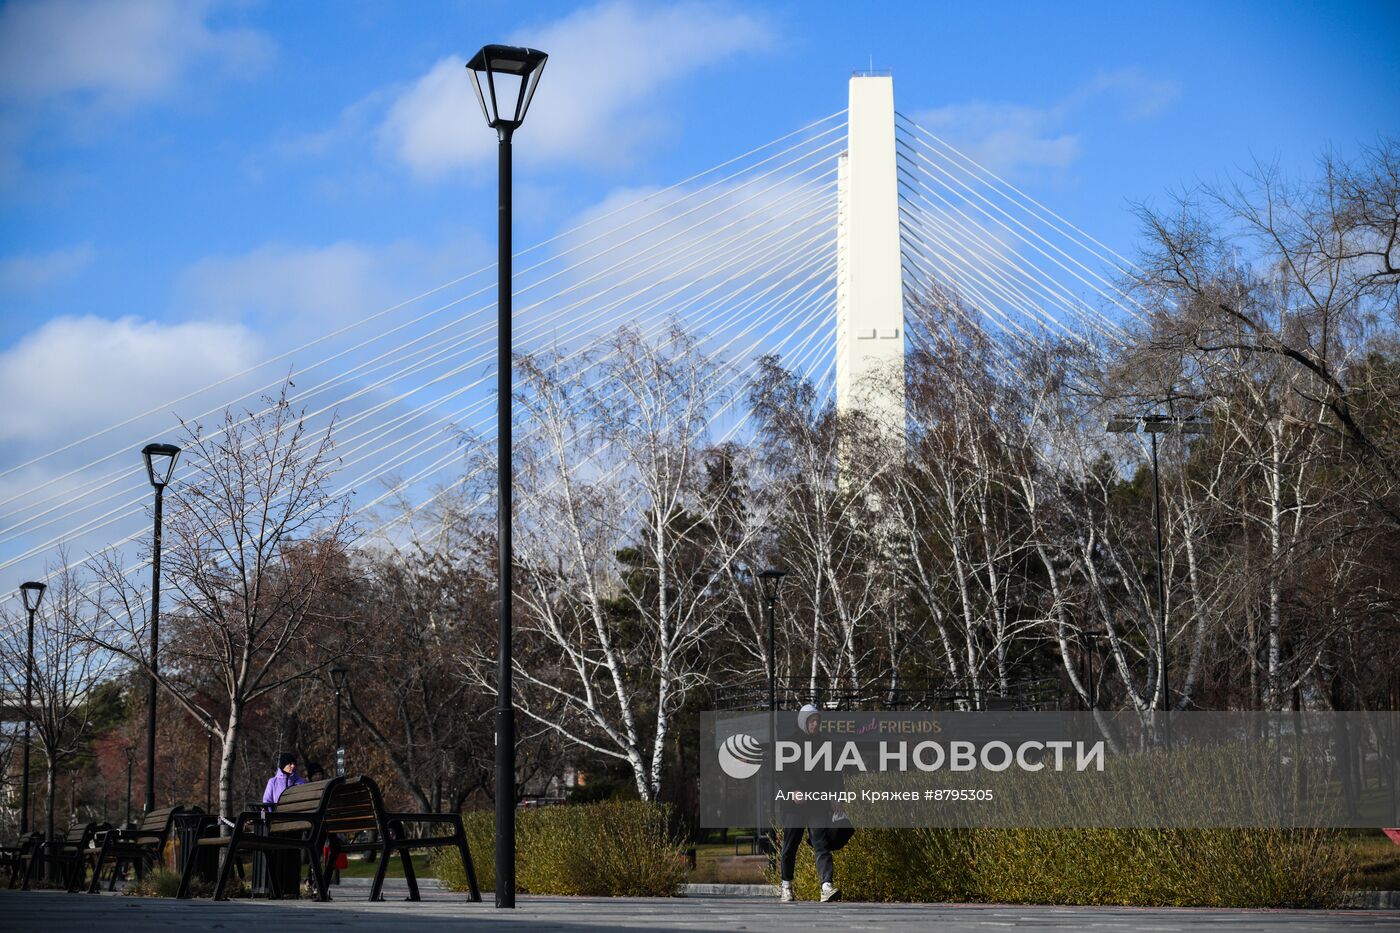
(57, 912)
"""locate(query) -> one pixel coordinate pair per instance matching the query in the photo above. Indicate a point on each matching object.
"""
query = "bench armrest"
(247, 816)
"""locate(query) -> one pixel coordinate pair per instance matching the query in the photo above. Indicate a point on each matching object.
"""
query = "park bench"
(296, 823)
(397, 838)
(335, 816)
(67, 853)
(139, 847)
(16, 859)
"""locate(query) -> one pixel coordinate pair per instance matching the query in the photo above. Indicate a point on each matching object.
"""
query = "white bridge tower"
(869, 277)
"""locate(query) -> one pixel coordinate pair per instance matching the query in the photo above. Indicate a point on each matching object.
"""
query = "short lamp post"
(770, 581)
(160, 466)
(130, 759)
(32, 593)
(510, 76)
(209, 772)
(339, 675)
(1154, 424)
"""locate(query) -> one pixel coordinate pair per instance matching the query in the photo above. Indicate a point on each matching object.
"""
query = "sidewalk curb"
(1372, 900)
(731, 890)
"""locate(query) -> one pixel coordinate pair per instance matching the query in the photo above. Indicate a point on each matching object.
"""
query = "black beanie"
(284, 759)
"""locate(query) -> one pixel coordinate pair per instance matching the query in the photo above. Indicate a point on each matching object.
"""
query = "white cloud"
(113, 51)
(27, 271)
(1005, 137)
(296, 291)
(597, 100)
(280, 283)
(1139, 96)
(77, 374)
(1013, 139)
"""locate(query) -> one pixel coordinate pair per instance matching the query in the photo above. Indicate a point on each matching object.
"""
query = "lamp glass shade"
(505, 78)
(32, 593)
(772, 581)
(1122, 425)
(160, 463)
(339, 674)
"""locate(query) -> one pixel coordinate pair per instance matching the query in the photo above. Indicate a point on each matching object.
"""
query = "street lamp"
(1087, 642)
(130, 757)
(32, 593)
(160, 465)
(1154, 424)
(208, 772)
(339, 674)
(770, 582)
(511, 76)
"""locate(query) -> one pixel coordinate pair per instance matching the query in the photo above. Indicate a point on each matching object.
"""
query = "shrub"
(894, 865)
(609, 849)
(1145, 867)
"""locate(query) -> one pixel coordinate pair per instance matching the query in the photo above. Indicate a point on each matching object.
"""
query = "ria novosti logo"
(740, 756)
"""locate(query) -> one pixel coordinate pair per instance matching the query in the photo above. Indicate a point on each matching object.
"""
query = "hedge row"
(1145, 867)
(610, 849)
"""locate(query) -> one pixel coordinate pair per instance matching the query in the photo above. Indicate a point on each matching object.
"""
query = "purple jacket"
(278, 783)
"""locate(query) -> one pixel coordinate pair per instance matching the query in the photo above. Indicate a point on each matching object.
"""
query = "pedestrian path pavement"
(58, 912)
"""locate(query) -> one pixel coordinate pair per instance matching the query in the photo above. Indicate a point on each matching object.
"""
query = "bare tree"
(67, 669)
(252, 536)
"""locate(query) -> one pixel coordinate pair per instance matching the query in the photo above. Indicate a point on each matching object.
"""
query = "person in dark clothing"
(809, 818)
(285, 777)
(286, 866)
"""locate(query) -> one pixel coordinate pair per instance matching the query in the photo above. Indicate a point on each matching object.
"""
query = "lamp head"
(339, 674)
(1159, 424)
(511, 74)
(771, 580)
(32, 593)
(160, 463)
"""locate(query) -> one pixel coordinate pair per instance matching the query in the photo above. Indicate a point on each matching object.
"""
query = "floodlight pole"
(505, 701)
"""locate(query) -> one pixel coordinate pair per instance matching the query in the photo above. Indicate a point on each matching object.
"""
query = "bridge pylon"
(869, 278)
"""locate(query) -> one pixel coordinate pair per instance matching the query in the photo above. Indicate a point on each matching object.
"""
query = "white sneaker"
(830, 893)
(787, 896)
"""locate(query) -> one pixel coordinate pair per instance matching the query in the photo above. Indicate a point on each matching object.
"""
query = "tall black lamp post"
(160, 465)
(1154, 424)
(510, 75)
(771, 583)
(339, 674)
(32, 593)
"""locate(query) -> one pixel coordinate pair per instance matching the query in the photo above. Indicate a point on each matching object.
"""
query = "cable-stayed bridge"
(811, 247)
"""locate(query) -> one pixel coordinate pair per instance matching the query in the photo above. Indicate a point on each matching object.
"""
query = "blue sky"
(203, 182)
(148, 148)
